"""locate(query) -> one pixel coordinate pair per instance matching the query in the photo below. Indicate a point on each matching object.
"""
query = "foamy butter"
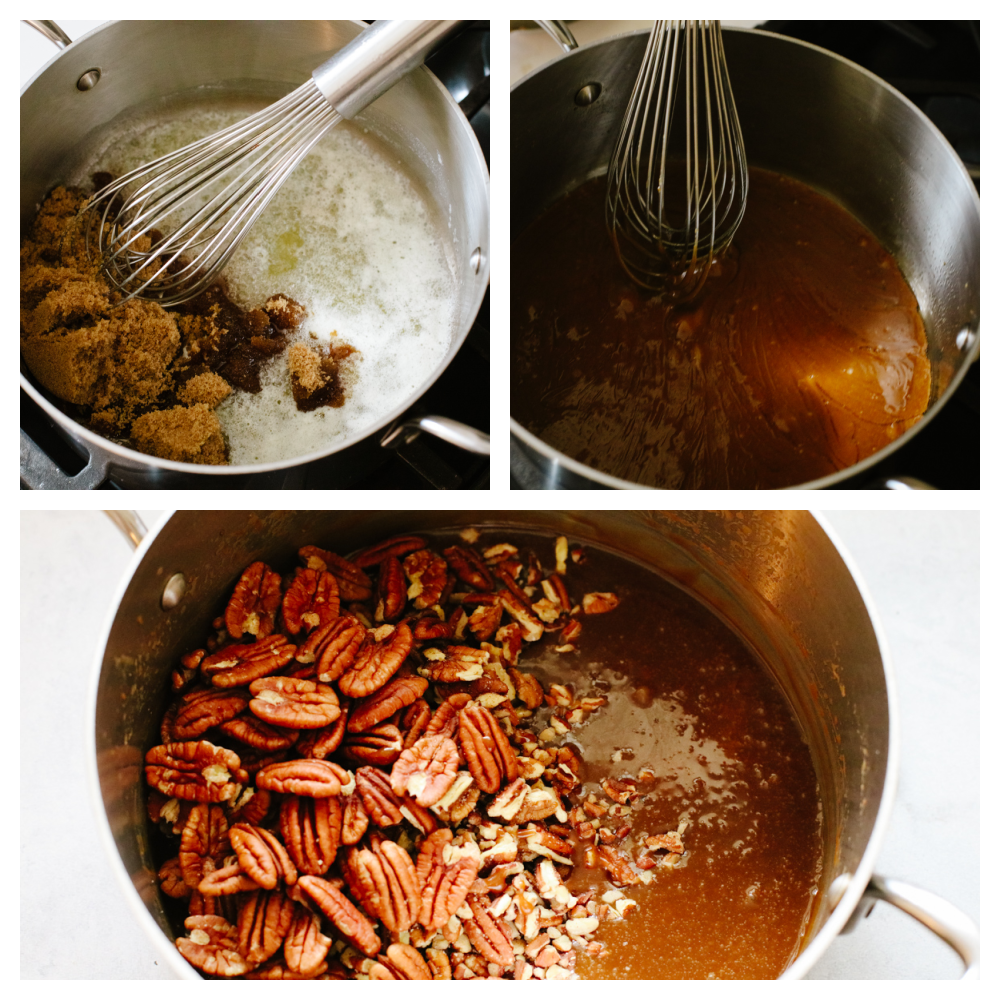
(350, 237)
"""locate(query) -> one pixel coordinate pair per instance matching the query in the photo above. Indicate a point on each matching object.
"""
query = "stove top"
(463, 66)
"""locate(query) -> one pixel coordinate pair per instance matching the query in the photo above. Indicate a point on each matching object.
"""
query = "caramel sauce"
(688, 699)
(804, 354)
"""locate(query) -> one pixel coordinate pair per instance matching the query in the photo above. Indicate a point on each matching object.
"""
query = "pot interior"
(805, 113)
(149, 66)
(773, 576)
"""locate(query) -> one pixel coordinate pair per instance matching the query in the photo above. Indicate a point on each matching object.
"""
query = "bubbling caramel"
(804, 354)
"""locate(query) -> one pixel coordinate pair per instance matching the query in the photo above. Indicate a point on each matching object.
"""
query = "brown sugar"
(207, 388)
(316, 380)
(182, 434)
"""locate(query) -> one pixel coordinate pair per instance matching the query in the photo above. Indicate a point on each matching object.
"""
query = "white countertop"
(922, 569)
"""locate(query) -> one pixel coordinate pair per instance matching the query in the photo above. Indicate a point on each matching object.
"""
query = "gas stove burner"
(461, 392)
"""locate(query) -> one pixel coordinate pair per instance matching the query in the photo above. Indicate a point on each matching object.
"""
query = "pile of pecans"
(365, 785)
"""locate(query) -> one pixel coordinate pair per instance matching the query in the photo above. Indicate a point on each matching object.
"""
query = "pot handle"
(935, 913)
(129, 524)
(52, 32)
(458, 434)
(559, 30)
(39, 472)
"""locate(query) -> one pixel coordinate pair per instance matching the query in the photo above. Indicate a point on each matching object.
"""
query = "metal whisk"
(166, 229)
(677, 190)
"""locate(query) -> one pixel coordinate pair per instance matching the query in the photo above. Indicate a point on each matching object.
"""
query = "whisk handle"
(371, 63)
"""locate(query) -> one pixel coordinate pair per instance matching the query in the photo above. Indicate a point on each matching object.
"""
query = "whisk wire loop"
(674, 204)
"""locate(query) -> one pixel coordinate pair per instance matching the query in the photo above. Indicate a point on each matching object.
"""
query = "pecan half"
(469, 567)
(396, 547)
(203, 843)
(227, 881)
(384, 881)
(377, 662)
(306, 946)
(443, 886)
(172, 880)
(255, 600)
(212, 945)
(488, 933)
(398, 693)
(445, 719)
(320, 743)
(235, 665)
(342, 913)
(379, 745)
(311, 830)
(352, 581)
(255, 733)
(312, 600)
(262, 856)
(264, 920)
(428, 576)
(317, 778)
(528, 689)
(427, 628)
(414, 722)
(380, 802)
(294, 703)
(456, 663)
(194, 771)
(355, 820)
(200, 710)
(332, 647)
(391, 591)
(485, 620)
(487, 750)
(426, 770)
(400, 961)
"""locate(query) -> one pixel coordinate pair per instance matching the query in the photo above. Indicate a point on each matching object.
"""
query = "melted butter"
(804, 354)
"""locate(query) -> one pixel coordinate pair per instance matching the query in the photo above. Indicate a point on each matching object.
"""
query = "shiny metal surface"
(52, 32)
(559, 32)
(677, 179)
(775, 576)
(806, 113)
(147, 62)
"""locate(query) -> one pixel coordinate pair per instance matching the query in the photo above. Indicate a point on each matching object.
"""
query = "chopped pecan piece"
(194, 771)
(212, 945)
(670, 841)
(352, 581)
(485, 620)
(487, 750)
(311, 830)
(428, 576)
(333, 647)
(399, 693)
(312, 600)
(254, 603)
(317, 778)
(342, 913)
(235, 666)
(527, 687)
(488, 934)
(531, 628)
(294, 703)
(598, 603)
(617, 865)
(456, 663)
(619, 791)
(469, 567)
(262, 856)
(426, 770)
(377, 662)
(394, 547)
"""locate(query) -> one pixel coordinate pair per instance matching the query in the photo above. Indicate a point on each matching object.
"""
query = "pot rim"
(971, 355)
(806, 959)
(130, 455)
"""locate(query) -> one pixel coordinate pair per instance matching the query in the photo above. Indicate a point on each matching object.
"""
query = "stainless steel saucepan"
(778, 578)
(806, 113)
(124, 67)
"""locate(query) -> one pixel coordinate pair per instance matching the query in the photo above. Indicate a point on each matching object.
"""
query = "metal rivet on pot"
(89, 80)
(476, 260)
(587, 94)
(965, 339)
(173, 592)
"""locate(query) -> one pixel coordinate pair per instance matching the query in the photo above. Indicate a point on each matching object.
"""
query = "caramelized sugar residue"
(804, 354)
(689, 700)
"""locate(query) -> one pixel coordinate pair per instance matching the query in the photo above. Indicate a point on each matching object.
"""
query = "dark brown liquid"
(804, 354)
(688, 699)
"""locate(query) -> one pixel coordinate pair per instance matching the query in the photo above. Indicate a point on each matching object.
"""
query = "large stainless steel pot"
(141, 63)
(777, 577)
(807, 113)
